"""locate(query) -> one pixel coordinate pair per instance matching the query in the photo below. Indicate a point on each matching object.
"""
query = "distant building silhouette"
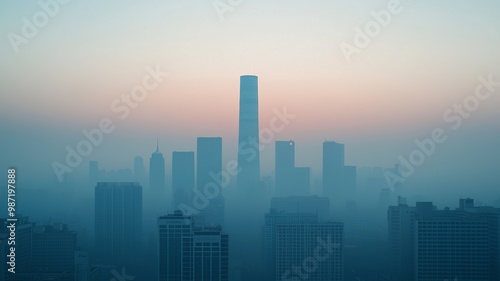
(401, 231)
(54, 249)
(208, 176)
(272, 219)
(182, 178)
(430, 244)
(317, 249)
(290, 180)
(333, 169)
(157, 172)
(297, 245)
(191, 253)
(284, 167)
(118, 222)
(248, 137)
(43, 252)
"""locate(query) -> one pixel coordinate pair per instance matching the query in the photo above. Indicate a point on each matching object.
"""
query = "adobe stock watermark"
(121, 107)
(250, 148)
(121, 277)
(221, 7)
(453, 116)
(309, 265)
(363, 36)
(31, 27)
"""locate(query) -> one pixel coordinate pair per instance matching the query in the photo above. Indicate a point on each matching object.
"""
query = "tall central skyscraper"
(248, 139)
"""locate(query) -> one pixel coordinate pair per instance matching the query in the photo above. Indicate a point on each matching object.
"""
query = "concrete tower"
(248, 139)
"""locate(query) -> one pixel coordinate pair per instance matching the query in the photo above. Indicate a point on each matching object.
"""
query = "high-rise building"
(434, 245)
(312, 250)
(248, 138)
(182, 178)
(118, 222)
(210, 254)
(401, 231)
(298, 247)
(284, 167)
(191, 253)
(272, 219)
(333, 168)
(290, 180)
(208, 161)
(54, 249)
(208, 176)
(157, 172)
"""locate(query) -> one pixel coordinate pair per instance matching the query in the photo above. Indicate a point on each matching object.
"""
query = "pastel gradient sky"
(428, 58)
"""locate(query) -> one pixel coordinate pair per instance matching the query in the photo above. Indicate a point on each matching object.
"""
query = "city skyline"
(333, 99)
(231, 140)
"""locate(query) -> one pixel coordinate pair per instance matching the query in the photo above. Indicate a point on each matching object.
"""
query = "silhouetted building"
(118, 222)
(290, 180)
(272, 219)
(54, 249)
(41, 252)
(465, 204)
(433, 244)
(312, 250)
(208, 180)
(157, 172)
(182, 178)
(333, 168)
(248, 138)
(191, 253)
(284, 167)
(401, 231)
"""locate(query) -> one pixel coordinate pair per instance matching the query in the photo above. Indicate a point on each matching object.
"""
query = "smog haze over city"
(250, 140)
